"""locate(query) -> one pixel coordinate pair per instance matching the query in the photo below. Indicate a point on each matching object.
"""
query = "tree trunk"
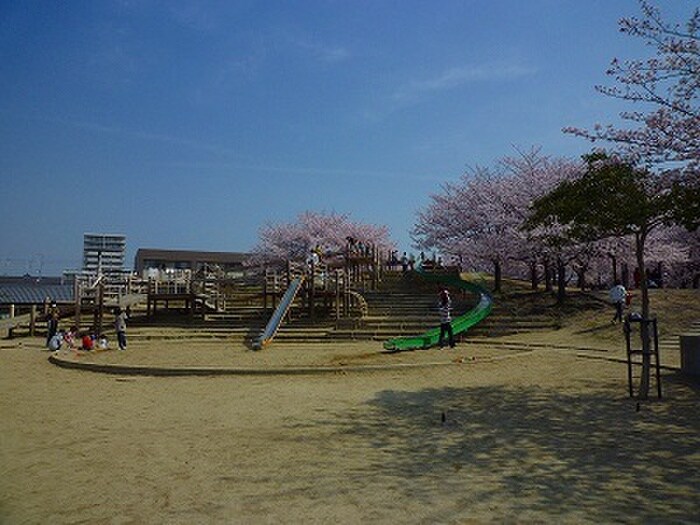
(547, 276)
(640, 239)
(497, 275)
(561, 281)
(533, 275)
(581, 279)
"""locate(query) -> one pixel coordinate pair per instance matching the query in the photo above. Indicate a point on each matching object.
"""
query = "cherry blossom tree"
(478, 218)
(329, 231)
(680, 254)
(667, 125)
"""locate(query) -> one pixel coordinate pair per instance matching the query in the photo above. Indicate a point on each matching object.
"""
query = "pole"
(32, 321)
(76, 297)
(337, 295)
(10, 331)
(100, 309)
(312, 289)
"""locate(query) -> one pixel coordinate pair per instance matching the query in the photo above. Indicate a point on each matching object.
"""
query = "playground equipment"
(277, 317)
(459, 324)
(328, 288)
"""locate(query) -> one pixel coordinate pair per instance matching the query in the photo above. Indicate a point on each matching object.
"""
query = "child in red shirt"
(88, 343)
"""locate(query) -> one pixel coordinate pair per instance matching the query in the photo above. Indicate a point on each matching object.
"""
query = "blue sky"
(188, 125)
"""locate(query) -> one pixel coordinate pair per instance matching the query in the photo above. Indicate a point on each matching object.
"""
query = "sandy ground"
(539, 436)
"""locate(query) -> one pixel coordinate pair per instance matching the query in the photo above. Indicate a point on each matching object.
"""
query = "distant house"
(152, 259)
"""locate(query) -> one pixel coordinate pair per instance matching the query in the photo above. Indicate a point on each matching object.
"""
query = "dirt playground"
(487, 434)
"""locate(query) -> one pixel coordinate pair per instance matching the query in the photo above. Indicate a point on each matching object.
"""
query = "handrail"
(364, 308)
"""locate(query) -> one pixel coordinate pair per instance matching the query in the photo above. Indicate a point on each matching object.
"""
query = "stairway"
(406, 306)
(241, 318)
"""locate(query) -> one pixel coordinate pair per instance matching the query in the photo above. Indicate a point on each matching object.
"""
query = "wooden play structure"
(324, 286)
(319, 293)
(332, 283)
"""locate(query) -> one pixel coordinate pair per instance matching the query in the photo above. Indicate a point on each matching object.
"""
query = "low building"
(28, 290)
(147, 259)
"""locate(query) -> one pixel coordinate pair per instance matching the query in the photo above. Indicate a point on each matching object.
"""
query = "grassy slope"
(586, 315)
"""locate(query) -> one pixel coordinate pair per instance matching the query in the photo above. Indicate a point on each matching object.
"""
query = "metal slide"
(459, 324)
(274, 323)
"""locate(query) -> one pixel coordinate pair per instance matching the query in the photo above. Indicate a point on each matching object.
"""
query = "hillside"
(589, 313)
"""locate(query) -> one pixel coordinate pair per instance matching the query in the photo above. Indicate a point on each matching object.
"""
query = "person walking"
(446, 319)
(120, 327)
(618, 295)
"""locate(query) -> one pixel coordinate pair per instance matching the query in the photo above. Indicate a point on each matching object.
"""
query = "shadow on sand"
(531, 450)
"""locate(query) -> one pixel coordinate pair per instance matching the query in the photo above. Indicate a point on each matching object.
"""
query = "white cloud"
(320, 51)
(459, 76)
(138, 135)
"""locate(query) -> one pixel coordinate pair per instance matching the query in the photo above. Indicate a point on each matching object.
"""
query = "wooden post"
(337, 295)
(149, 291)
(10, 330)
(347, 265)
(100, 309)
(77, 299)
(265, 290)
(312, 290)
(32, 321)
(95, 308)
(275, 285)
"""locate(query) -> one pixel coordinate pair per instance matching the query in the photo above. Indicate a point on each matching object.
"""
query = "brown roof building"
(146, 258)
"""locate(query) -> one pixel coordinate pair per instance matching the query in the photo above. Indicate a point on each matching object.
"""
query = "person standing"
(618, 295)
(120, 327)
(446, 319)
(51, 322)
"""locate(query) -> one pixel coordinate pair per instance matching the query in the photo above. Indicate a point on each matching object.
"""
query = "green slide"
(459, 324)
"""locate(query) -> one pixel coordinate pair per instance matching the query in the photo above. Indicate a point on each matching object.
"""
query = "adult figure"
(445, 307)
(120, 327)
(618, 295)
(52, 316)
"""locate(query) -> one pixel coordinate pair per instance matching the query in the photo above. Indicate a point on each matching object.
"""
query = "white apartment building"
(103, 252)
